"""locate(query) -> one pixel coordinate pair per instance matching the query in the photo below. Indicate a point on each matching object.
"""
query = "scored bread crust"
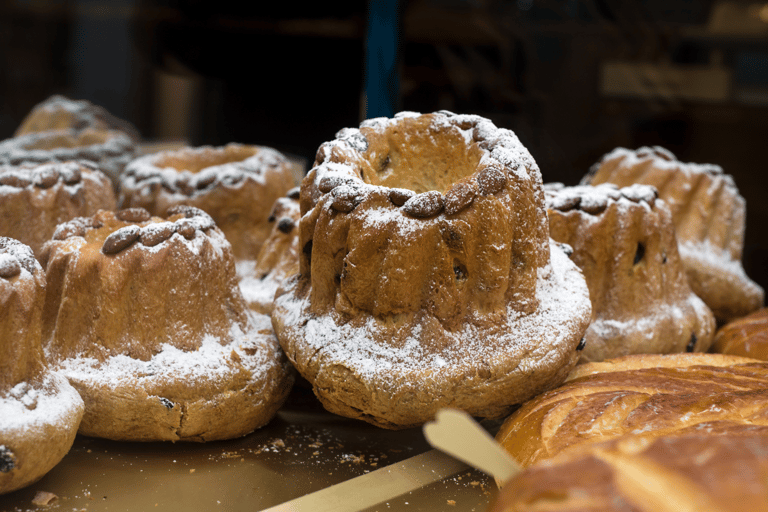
(644, 395)
(711, 467)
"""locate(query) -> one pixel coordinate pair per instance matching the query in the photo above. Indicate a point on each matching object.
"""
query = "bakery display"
(278, 257)
(427, 276)
(746, 336)
(110, 150)
(38, 197)
(623, 240)
(144, 317)
(709, 216)
(645, 395)
(707, 468)
(235, 184)
(61, 113)
(39, 410)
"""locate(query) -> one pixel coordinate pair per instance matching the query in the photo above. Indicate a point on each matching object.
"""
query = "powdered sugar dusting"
(32, 407)
(216, 360)
(563, 302)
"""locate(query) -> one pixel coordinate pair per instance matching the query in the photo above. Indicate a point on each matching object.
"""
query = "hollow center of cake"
(196, 161)
(421, 158)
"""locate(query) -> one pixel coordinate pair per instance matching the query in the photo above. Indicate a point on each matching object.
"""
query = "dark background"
(573, 78)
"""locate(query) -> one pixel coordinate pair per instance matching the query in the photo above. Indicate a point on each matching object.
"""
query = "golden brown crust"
(110, 150)
(624, 242)
(747, 336)
(646, 395)
(709, 217)
(278, 258)
(235, 184)
(409, 298)
(39, 411)
(61, 113)
(709, 468)
(38, 197)
(145, 319)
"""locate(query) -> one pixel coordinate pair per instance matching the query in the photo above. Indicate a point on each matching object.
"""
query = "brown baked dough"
(709, 216)
(110, 150)
(624, 242)
(39, 410)
(427, 278)
(278, 258)
(35, 198)
(645, 395)
(61, 113)
(710, 467)
(146, 320)
(747, 336)
(235, 184)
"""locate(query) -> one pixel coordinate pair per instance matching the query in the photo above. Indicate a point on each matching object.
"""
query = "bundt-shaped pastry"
(38, 197)
(146, 320)
(746, 336)
(61, 113)
(235, 184)
(709, 216)
(110, 150)
(624, 242)
(427, 278)
(39, 410)
(647, 395)
(278, 258)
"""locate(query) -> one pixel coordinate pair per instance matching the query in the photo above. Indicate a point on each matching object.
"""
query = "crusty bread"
(708, 468)
(747, 336)
(648, 396)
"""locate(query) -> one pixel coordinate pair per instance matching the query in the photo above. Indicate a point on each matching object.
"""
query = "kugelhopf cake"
(646, 395)
(709, 467)
(746, 336)
(62, 113)
(39, 410)
(110, 150)
(144, 317)
(235, 184)
(35, 198)
(623, 240)
(278, 258)
(427, 276)
(709, 216)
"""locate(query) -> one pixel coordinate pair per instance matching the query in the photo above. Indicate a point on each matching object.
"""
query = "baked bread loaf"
(235, 184)
(624, 242)
(278, 258)
(61, 113)
(709, 216)
(747, 336)
(146, 320)
(707, 468)
(39, 410)
(644, 395)
(427, 278)
(38, 197)
(110, 150)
